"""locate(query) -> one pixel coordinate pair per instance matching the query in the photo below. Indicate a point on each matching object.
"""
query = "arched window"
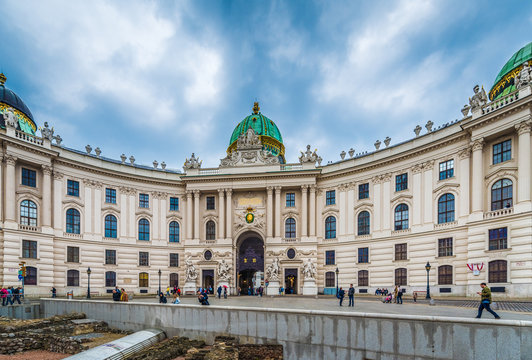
(501, 194)
(143, 279)
(110, 279)
(445, 275)
(28, 213)
(330, 227)
(110, 226)
(363, 223)
(497, 271)
(72, 278)
(31, 276)
(290, 228)
(363, 278)
(144, 230)
(401, 217)
(210, 228)
(446, 208)
(72, 221)
(174, 232)
(330, 279)
(174, 280)
(400, 276)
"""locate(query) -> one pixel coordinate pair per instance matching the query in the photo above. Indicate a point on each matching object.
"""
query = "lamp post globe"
(427, 267)
(88, 283)
(337, 272)
(159, 281)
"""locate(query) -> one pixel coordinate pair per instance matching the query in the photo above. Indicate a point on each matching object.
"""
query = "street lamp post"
(427, 267)
(88, 283)
(337, 272)
(159, 282)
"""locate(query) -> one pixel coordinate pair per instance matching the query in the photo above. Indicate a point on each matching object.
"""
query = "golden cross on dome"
(256, 107)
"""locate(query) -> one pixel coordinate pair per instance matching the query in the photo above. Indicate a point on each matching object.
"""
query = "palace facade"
(457, 196)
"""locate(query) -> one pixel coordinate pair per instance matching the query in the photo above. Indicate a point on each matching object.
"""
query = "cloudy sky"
(161, 79)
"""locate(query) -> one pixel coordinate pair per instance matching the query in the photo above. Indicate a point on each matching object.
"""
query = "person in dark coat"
(219, 291)
(351, 294)
(341, 295)
(116, 295)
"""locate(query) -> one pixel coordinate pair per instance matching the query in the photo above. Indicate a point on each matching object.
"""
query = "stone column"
(46, 196)
(58, 195)
(523, 185)
(428, 205)
(478, 176)
(197, 195)
(1, 190)
(387, 212)
(277, 211)
(228, 216)
(377, 204)
(312, 221)
(464, 157)
(304, 191)
(189, 214)
(221, 217)
(10, 187)
(416, 195)
(269, 215)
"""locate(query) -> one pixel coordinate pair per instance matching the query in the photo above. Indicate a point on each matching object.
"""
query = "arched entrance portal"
(250, 259)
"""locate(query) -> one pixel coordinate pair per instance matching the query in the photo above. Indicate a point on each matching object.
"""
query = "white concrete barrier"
(310, 334)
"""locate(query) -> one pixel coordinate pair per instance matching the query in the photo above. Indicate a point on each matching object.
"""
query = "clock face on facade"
(249, 218)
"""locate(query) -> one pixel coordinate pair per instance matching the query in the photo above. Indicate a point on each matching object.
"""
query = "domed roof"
(264, 127)
(504, 82)
(9, 99)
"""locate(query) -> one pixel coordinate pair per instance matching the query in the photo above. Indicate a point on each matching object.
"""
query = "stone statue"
(192, 163)
(479, 99)
(272, 272)
(224, 271)
(46, 132)
(249, 151)
(190, 272)
(248, 140)
(524, 77)
(308, 156)
(309, 270)
(10, 118)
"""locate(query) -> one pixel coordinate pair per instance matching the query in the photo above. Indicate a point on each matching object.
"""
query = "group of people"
(350, 294)
(220, 290)
(381, 292)
(396, 296)
(10, 295)
(120, 294)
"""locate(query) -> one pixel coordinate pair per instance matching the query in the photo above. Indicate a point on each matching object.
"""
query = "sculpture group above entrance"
(249, 151)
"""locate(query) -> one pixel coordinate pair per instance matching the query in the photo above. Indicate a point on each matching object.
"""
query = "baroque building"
(457, 196)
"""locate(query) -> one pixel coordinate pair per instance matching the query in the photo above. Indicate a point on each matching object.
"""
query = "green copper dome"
(267, 130)
(504, 82)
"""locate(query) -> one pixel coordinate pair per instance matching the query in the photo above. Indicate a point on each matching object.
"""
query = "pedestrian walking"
(351, 294)
(485, 301)
(3, 294)
(395, 291)
(219, 291)
(16, 294)
(341, 295)
(225, 292)
(54, 292)
(399, 296)
(168, 291)
(415, 296)
(9, 295)
(123, 295)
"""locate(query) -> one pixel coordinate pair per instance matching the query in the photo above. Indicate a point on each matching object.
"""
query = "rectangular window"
(445, 275)
(110, 196)
(502, 151)
(174, 260)
(144, 258)
(210, 203)
(363, 191)
(498, 238)
(144, 201)
(174, 204)
(330, 197)
(363, 255)
(401, 182)
(329, 257)
(445, 247)
(400, 251)
(110, 279)
(29, 177)
(290, 199)
(363, 278)
(73, 254)
(110, 257)
(72, 188)
(446, 169)
(29, 249)
(143, 280)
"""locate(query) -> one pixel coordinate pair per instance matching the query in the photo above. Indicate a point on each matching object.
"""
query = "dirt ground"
(35, 355)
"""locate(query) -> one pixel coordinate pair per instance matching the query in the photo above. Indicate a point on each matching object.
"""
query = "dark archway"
(250, 259)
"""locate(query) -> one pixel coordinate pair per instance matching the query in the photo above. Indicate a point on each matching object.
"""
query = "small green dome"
(504, 82)
(264, 127)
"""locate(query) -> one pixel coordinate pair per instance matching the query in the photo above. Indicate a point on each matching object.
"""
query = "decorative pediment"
(443, 186)
(73, 201)
(501, 172)
(29, 191)
(401, 197)
(363, 204)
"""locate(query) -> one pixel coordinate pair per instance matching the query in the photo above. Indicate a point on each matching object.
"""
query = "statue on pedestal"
(524, 77)
(224, 271)
(272, 272)
(309, 270)
(191, 272)
(479, 99)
